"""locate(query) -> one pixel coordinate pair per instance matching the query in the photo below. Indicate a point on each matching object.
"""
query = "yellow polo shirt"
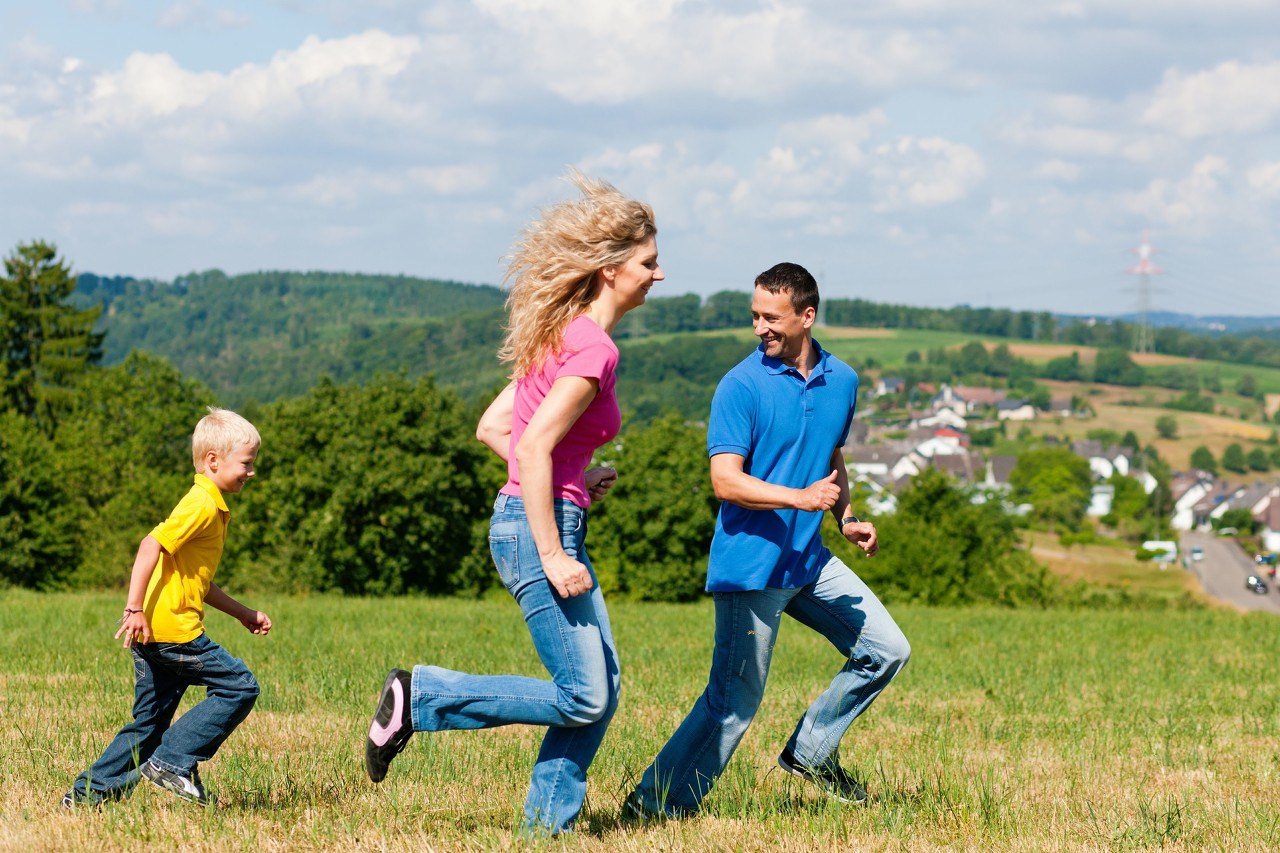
(192, 538)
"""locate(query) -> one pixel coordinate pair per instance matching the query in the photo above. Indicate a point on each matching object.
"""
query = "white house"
(1100, 500)
(941, 417)
(1015, 410)
(1188, 491)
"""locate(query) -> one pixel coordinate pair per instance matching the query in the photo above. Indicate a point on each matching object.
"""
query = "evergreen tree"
(47, 342)
(37, 516)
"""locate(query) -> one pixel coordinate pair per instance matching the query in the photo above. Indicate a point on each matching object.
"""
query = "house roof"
(1001, 466)
(982, 396)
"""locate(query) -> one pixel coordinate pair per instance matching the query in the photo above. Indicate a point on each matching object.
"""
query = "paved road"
(1223, 570)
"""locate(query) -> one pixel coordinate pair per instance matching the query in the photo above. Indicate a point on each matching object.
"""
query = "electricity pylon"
(1144, 270)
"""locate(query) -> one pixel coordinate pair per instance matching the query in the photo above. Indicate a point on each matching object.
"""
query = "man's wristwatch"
(848, 519)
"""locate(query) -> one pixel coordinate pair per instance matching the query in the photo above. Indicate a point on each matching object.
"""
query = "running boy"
(163, 626)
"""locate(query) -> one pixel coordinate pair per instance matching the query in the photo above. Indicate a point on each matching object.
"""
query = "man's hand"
(819, 496)
(134, 629)
(863, 534)
(566, 575)
(599, 482)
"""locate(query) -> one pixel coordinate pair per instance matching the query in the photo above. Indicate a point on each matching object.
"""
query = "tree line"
(379, 487)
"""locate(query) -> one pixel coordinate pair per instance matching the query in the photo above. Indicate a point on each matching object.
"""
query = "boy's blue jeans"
(574, 641)
(162, 674)
(840, 607)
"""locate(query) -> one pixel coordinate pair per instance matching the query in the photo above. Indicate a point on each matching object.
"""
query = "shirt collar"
(205, 483)
(776, 365)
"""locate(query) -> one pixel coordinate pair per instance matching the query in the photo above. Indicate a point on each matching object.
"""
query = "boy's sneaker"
(391, 727)
(188, 788)
(833, 781)
(88, 799)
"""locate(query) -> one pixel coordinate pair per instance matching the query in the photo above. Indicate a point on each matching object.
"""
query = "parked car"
(1256, 584)
(1265, 559)
(1197, 554)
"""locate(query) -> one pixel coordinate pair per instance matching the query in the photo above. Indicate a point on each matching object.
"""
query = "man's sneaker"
(188, 788)
(833, 781)
(391, 727)
(635, 811)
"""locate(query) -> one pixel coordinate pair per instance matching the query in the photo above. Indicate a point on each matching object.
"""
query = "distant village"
(884, 456)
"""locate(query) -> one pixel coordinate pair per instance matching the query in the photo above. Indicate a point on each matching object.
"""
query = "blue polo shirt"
(786, 429)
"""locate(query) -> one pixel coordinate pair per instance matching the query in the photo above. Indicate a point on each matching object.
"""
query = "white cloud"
(925, 172)
(1228, 99)
(1058, 170)
(1064, 140)
(317, 75)
(1193, 201)
(631, 48)
(196, 13)
(1265, 179)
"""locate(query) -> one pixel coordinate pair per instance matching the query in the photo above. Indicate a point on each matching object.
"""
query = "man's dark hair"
(795, 279)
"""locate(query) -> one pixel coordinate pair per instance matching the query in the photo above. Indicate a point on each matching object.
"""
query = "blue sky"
(926, 152)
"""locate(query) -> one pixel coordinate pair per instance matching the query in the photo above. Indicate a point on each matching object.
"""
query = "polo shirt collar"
(205, 483)
(777, 365)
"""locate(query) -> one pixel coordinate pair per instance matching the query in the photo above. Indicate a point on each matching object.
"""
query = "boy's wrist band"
(129, 610)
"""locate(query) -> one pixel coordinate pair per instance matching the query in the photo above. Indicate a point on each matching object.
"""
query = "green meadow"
(1009, 730)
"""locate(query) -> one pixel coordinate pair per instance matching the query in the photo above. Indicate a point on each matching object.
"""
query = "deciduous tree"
(651, 536)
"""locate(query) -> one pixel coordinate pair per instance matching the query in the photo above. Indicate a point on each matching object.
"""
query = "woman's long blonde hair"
(552, 269)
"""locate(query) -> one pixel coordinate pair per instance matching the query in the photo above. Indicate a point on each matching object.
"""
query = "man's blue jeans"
(162, 674)
(574, 641)
(837, 605)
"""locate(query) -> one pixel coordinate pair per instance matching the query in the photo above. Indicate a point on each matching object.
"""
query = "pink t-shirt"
(590, 353)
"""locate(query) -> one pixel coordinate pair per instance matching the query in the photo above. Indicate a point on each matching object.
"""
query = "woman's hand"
(599, 482)
(569, 577)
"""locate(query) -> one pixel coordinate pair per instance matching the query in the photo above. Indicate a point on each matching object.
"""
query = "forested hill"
(267, 335)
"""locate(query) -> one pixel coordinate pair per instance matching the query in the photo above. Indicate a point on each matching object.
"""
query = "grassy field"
(1008, 730)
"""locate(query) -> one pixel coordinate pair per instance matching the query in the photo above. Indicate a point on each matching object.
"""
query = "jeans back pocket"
(505, 550)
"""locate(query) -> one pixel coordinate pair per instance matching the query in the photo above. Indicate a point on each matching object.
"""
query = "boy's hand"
(257, 622)
(134, 629)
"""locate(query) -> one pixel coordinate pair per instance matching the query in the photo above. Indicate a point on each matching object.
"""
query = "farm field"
(1009, 730)
(1113, 568)
(890, 346)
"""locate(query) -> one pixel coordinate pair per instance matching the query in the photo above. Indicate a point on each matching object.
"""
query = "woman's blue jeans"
(837, 605)
(162, 674)
(574, 641)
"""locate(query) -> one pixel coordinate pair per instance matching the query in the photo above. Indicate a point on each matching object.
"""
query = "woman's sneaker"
(188, 788)
(833, 781)
(391, 727)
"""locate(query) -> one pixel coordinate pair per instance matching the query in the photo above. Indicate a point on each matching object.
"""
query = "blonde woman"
(575, 273)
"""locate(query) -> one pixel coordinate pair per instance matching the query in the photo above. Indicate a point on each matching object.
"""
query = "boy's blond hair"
(221, 430)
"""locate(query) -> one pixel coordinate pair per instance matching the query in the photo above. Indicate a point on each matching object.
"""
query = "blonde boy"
(163, 627)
